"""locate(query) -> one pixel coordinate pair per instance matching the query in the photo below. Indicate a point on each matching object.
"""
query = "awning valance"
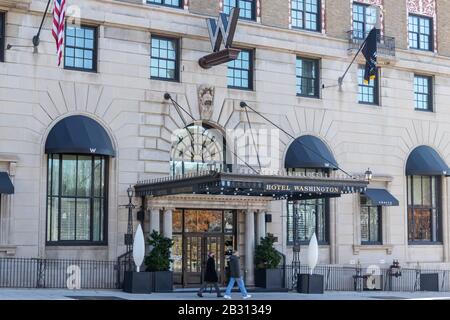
(81, 135)
(381, 197)
(425, 161)
(6, 186)
(309, 152)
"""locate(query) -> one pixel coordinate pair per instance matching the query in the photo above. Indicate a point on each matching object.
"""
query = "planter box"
(162, 281)
(269, 278)
(137, 282)
(429, 282)
(310, 284)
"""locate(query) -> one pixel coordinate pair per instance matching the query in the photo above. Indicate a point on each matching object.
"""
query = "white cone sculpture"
(138, 247)
(313, 253)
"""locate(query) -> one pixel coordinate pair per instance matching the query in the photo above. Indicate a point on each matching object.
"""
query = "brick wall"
(395, 23)
(275, 13)
(338, 18)
(443, 32)
(208, 7)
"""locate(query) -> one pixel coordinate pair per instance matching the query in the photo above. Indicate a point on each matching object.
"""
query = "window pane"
(80, 48)
(424, 220)
(73, 218)
(69, 175)
(229, 221)
(83, 219)
(177, 221)
(239, 71)
(84, 176)
(367, 92)
(163, 58)
(170, 3)
(67, 219)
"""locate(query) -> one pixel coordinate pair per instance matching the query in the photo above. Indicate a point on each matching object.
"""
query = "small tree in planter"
(267, 259)
(158, 262)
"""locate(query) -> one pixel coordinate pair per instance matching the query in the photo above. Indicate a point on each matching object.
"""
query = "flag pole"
(341, 79)
(36, 37)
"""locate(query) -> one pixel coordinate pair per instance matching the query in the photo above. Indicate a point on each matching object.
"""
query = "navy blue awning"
(6, 186)
(425, 161)
(381, 197)
(80, 135)
(309, 152)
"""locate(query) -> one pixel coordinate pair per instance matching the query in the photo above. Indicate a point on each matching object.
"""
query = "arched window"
(308, 155)
(78, 151)
(198, 147)
(424, 172)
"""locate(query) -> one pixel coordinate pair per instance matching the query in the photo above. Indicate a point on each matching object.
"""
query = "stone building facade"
(128, 103)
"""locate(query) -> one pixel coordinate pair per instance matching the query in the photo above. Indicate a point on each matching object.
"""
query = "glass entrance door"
(196, 255)
(195, 234)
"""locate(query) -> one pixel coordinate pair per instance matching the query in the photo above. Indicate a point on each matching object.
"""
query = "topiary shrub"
(158, 259)
(266, 256)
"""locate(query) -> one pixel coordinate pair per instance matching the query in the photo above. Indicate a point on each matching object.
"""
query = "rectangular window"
(240, 71)
(370, 222)
(424, 218)
(423, 93)
(80, 51)
(367, 93)
(164, 59)
(248, 8)
(307, 72)
(364, 20)
(420, 30)
(305, 14)
(167, 3)
(2, 36)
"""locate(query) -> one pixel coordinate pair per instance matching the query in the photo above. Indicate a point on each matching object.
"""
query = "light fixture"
(130, 192)
(368, 175)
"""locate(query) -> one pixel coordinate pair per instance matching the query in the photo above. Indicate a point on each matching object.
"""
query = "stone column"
(167, 223)
(154, 219)
(249, 246)
(261, 226)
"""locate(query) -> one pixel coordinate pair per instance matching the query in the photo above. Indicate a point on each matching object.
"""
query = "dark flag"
(370, 53)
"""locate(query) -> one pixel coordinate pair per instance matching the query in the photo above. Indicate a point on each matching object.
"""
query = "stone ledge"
(358, 248)
(22, 4)
(8, 250)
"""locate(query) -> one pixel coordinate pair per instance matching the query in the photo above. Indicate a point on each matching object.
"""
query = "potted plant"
(267, 259)
(158, 262)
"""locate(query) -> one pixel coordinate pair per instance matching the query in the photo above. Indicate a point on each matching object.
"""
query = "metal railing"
(56, 273)
(338, 278)
(386, 45)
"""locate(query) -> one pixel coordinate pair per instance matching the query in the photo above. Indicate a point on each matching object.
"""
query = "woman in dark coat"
(210, 276)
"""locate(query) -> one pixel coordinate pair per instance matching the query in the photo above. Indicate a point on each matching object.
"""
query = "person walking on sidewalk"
(235, 275)
(210, 276)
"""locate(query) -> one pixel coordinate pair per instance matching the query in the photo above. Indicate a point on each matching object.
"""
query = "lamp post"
(368, 175)
(296, 245)
(129, 234)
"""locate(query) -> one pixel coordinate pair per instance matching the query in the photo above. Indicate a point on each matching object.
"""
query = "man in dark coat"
(235, 275)
(210, 276)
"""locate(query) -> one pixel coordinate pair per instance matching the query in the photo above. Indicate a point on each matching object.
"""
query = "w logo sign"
(93, 150)
(223, 30)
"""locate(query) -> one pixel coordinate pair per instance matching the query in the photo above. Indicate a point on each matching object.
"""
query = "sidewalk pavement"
(65, 294)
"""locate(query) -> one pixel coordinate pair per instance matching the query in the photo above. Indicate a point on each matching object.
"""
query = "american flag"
(59, 13)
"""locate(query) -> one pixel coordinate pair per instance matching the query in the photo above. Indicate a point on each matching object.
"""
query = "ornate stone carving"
(206, 101)
(423, 7)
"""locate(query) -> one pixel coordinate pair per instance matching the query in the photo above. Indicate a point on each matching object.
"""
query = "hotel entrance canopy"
(280, 186)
